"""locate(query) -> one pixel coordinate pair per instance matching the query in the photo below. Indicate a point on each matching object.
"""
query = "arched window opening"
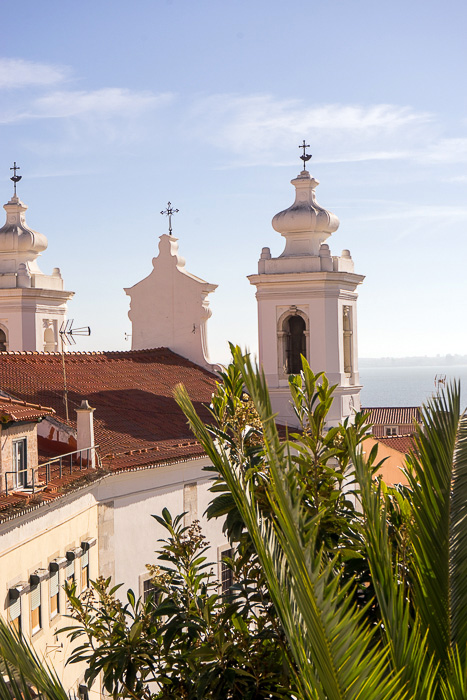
(3, 341)
(49, 340)
(296, 343)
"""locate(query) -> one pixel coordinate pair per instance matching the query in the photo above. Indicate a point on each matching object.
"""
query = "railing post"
(81, 460)
(33, 484)
(60, 467)
(6, 484)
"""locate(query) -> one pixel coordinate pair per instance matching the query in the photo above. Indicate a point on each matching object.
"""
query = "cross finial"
(16, 178)
(169, 212)
(306, 156)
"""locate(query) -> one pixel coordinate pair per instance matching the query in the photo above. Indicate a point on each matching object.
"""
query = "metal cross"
(16, 178)
(305, 157)
(169, 212)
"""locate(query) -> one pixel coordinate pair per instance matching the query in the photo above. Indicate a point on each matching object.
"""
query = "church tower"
(170, 308)
(32, 305)
(307, 304)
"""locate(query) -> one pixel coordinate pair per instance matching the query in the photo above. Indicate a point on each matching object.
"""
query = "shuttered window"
(35, 597)
(14, 612)
(54, 601)
(35, 600)
(85, 571)
(15, 608)
(226, 571)
(70, 572)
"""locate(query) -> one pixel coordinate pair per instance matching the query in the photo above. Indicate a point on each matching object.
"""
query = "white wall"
(138, 495)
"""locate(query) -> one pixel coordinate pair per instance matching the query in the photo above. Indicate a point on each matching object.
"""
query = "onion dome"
(16, 238)
(304, 225)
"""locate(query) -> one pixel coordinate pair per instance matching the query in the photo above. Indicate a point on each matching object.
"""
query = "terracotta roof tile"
(137, 423)
(401, 443)
(393, 415)
(17, 410)
(132, 392)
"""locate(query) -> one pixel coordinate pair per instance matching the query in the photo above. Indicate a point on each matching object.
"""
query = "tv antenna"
(66, 336)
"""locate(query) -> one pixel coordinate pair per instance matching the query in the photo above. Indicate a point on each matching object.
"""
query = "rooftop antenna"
(16, 178)
(66, 336)
(306, 156)
(170, 212)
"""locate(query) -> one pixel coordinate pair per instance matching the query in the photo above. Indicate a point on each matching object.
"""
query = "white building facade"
(307, 305)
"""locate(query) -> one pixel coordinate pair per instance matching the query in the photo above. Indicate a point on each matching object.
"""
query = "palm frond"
(430, 472)
(458, 542)
(408, 649)
(330, 646)
(28, 676)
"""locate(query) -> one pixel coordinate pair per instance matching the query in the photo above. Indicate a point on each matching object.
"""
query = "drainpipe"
(85, 430)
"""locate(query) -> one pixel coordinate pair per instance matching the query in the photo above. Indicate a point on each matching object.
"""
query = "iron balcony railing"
(54, 468)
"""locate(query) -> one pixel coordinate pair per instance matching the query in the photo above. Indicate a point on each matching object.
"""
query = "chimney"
(85, 429)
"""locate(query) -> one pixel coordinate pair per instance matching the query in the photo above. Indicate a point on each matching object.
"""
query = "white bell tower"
(32, 305)
(307, 304)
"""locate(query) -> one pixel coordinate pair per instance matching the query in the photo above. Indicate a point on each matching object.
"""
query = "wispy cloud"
(251, 127)
(18, 73)
(453, 150)
(85, 119)
(98, 103)
(434, 211)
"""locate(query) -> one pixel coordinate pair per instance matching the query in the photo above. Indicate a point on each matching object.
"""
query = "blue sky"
(112, 108)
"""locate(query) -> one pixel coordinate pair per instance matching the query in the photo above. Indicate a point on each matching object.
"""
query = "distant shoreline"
(423, 361)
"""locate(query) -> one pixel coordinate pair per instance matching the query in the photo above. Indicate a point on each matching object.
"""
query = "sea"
(407, 386)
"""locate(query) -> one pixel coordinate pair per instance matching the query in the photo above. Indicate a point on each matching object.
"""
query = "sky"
(113, 108)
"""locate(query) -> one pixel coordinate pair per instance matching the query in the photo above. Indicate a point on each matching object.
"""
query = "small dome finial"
(306, 156)
(16, 178)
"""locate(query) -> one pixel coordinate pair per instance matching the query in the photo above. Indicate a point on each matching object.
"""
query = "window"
(226, 571)
(20, 466)
(391, 430)
(295, 343)
(49, 340)
(70, 572)
(85, 571)
(149, 589)
(14, 612)
(54, 597)
(36, 609)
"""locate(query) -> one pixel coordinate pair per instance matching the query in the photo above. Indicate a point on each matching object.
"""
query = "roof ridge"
(382, 408)
(19, 402)
(87, 352)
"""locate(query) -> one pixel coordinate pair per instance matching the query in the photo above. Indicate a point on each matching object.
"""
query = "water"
(407, 386)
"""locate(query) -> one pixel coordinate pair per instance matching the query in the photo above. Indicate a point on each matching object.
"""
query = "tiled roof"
(137, 423)
(132, 393)
(17, 410)
(393, 415)
(401, 443)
